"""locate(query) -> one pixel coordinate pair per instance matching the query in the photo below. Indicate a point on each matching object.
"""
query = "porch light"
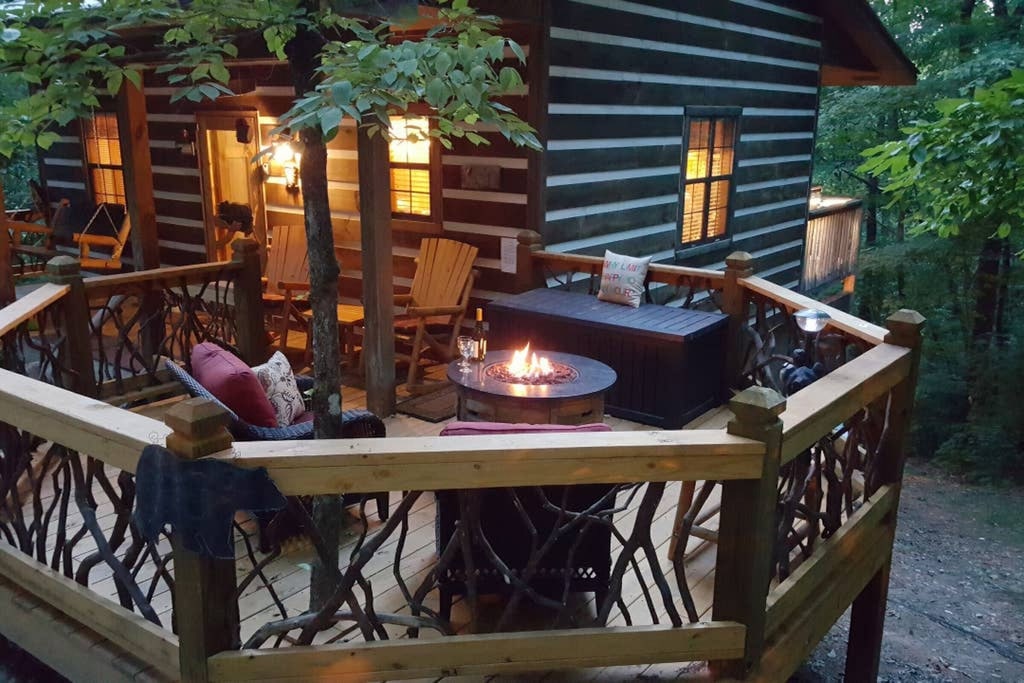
(811, 321)
(291, 176)
(283, 152)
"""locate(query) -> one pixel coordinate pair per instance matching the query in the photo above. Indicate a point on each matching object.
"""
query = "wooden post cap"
(904, 328)
(244, 245)
(757, 406)
(63, 266)
(740, 260)
(200, 428)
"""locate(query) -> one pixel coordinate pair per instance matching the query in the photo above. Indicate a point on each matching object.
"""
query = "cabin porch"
(802, 511)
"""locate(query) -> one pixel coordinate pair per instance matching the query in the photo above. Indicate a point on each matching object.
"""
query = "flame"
(534, 368)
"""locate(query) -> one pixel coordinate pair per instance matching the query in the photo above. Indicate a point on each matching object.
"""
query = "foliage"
(73, 58)
(965, 170)
(22, 166)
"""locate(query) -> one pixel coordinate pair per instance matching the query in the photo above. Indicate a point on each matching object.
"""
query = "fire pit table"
(572, 392)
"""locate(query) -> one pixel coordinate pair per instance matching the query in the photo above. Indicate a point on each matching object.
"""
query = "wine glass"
(466, 344)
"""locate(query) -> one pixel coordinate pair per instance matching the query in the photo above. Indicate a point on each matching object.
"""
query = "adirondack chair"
(287, 273)
(436, 304)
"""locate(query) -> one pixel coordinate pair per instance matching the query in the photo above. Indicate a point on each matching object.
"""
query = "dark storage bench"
(670, 361)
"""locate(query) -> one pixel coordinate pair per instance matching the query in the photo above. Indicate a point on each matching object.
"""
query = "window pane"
(103, 158)
(410, 191)
(694, 201)
(406, 150)
(719, 210)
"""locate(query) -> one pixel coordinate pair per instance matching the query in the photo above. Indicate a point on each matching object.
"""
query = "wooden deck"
(289, 574)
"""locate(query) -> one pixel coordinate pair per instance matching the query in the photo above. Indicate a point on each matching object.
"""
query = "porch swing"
(104, 215)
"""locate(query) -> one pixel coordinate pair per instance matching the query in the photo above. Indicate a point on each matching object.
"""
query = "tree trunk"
(323, 296)
(966, 12)
(1005, 263)
(986, 289)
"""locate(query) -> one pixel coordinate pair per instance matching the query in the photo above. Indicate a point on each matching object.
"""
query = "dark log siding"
(621, 76)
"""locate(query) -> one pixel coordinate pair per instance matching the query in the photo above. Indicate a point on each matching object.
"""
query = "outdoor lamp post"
(811, 321)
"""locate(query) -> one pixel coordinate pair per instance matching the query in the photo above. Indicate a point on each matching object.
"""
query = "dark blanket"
(198, 499)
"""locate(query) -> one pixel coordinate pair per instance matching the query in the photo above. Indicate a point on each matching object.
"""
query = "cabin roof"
(858, 49)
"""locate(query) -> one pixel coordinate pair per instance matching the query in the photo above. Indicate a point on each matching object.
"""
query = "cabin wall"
(621, 76)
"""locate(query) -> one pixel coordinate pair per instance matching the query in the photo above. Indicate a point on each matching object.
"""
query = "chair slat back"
(287, 258)
(442, 272)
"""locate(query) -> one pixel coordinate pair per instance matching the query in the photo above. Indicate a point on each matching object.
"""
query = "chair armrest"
(424, 311)
(294, 286)
(22, 226)
(401, 299)
(96, 240)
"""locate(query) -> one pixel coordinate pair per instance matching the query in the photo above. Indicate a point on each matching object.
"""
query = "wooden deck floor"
(289, 573)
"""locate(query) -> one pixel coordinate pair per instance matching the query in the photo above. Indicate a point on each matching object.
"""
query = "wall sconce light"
(185, 145)
(243, 131)
(291, 176)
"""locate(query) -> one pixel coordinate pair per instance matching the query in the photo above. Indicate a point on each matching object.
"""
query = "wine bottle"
(479, 336)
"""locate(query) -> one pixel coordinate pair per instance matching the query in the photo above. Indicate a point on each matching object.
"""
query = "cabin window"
(103, 158)
(411, 181)
(710, 143)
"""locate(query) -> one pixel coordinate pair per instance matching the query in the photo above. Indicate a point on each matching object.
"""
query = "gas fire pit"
(542, 387)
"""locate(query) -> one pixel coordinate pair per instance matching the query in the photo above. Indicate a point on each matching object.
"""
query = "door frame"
(226, 120)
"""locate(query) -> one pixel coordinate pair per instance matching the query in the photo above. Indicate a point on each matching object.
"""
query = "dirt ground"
(956, 599)
(956, 593)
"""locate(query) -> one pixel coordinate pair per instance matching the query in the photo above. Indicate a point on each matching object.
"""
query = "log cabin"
(679, 130)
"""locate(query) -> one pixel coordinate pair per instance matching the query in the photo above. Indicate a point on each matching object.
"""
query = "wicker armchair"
(356, 424)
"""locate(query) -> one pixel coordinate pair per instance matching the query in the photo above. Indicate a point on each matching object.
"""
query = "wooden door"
(228, 145)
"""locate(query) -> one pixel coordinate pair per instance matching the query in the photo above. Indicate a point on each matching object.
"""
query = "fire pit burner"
(576, 396)
(560, 374)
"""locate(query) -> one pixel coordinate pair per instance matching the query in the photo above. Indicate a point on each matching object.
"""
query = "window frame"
(433, 223)
(88, 165)
(713, 113)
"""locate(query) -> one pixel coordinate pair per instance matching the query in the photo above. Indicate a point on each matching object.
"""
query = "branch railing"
(809, 492)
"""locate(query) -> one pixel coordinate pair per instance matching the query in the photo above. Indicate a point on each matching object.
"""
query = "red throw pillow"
(234, 383)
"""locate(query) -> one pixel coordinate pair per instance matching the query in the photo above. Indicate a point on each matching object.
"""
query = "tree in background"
(22, 166)
(346, 60)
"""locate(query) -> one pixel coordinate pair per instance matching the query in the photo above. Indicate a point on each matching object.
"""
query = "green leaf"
(220, 73)
(114, 81)
(1004, 230)
(330, 120)
(436, 92)
(341, 93)
(134, 77)
(46, 139)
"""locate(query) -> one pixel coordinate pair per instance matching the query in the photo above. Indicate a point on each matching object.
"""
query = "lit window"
(410, 167)
(710, 152)
(103, 158)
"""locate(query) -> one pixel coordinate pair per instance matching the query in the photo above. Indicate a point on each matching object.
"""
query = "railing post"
(206, 609)
(746, 529)
(738, 265)
(250, 335)
(528, 275)
(77, 351)
(867, 618)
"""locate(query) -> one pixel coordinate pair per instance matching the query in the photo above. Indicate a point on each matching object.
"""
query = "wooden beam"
(205, 604)
(88, 426)
(867, 618)
(138, 176)
(378, 283)
(840, 320)
(28, 306)
(127, 630)
(746, 529)
(813, 412)
(494, 653)
(7, 292)
(69, 648)
(427, 463)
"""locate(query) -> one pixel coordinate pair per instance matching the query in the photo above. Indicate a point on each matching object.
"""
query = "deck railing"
(809, 490)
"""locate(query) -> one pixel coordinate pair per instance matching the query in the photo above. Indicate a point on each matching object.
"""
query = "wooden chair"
(45, 248)
(287, 272)
(436, 304)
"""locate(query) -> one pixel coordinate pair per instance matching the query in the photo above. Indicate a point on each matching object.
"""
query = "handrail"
(198, 271)
(25, 308)
(813, 412)
(657, 272)
(100, 430)
(428, 463)
(841, 320)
